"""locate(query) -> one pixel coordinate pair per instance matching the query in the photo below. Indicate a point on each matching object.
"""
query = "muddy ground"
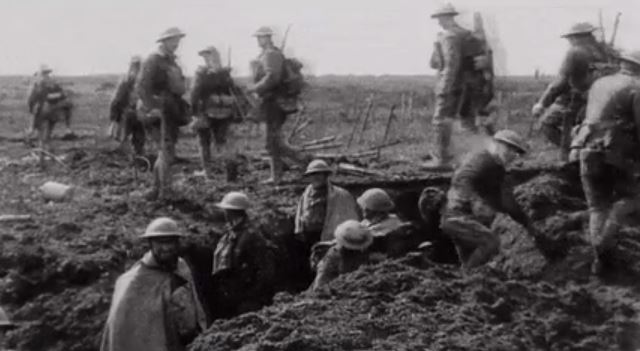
(57, 270)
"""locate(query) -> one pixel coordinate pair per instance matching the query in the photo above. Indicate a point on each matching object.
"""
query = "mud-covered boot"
(442, 160)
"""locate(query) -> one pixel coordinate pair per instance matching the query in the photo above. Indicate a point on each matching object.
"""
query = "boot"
(442, 158)
(597, 220)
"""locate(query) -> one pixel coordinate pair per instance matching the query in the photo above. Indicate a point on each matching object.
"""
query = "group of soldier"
(591, 112)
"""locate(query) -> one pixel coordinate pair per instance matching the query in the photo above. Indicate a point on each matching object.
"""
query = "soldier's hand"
(537, 110)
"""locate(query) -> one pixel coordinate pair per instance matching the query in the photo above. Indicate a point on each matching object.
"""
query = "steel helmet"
(445, 10)
(633, 57)
(263, 32)
(234, 200)
(512, 139)
(317, 166)
(209, 50)
(579, 28)
(376, 199)
(353, 235)
(45, 69)
(162, 227)
(5, 322)
(171, 33)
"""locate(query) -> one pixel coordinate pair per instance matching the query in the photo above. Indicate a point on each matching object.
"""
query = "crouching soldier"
(609, 140)
(155, 305)
(122, 110)
(213, 104)
(348, 254)
(243, 266)
(479, 189)
(391, 236)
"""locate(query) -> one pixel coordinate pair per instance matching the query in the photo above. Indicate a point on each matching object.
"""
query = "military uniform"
(243, 271)
(268, 73)
(48, 102)
(213, 104)
(565, 98)
(609, 139)
(336, 262)
(122, 110)
(160, 85)
(462, 90)
(479, 189)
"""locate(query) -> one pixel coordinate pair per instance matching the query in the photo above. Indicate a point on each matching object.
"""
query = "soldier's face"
(212, 59)
(318, 180)
(166, 250)
(171, 44)
(264, 40)
(507, 154)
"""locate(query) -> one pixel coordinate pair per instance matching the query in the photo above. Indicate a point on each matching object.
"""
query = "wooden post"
(357, 121)
(367, 115)
(386, 131)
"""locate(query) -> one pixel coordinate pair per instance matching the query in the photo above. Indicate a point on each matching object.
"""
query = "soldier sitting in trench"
(350, 252)
(479, 189)
(322, 207)
(243, 265)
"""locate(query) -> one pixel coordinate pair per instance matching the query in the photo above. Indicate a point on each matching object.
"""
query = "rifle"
(284, 39)
(615, 29)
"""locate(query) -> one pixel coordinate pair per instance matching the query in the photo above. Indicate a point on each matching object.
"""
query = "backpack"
(293, 81)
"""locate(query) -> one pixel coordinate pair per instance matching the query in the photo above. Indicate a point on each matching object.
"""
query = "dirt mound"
(394, 306)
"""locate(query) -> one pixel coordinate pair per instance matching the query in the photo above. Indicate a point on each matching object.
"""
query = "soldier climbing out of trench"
(122, 110)
(349, 253)
(562, 105)
(463, 90)
(608, 142)
(479, 189)
(322, 207)
(213, 104)
(155, 305)
(243, 262)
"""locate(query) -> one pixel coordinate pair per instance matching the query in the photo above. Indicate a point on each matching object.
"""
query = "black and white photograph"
(292, 175)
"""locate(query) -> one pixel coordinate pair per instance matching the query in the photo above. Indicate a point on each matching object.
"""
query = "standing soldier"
(48, 102)
(269, 73)
(461, 62)
(213, 103)
(562, 104)
(609, 140)
(160, 86)
(122, 110)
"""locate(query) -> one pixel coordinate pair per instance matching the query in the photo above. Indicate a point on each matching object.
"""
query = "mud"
(57, 271)
(394, 306)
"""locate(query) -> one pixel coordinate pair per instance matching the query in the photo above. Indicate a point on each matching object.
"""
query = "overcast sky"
(331, 36)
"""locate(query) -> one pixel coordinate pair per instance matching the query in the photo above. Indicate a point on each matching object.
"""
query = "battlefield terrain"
(58, 267)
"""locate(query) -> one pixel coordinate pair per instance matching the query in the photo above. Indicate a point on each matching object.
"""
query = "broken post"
(357, 122)
(367, 115)
(386, 130)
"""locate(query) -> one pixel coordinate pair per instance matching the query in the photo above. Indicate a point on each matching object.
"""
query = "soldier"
(268, 78)
(561, 106)
(609, 139)
(46, 99)
(392, 237)
(155, 305)
(159, 87)
(213, 103)
(479, 189)
(243, 266)
(122, 110)
(350, 252)
(462, 84)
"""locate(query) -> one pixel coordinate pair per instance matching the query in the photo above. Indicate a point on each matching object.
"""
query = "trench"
(404, 192)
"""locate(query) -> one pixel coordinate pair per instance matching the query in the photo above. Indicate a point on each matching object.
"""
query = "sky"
(373, 37)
